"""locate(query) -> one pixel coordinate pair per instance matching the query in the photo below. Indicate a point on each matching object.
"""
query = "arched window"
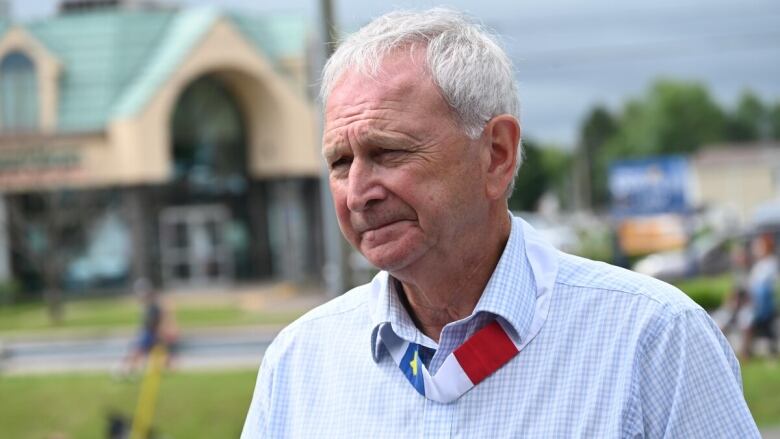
(209, 144)
(18, 93)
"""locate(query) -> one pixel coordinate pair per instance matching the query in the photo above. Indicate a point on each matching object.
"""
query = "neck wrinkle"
(451, 295)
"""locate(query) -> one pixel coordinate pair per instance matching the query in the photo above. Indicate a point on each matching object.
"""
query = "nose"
(363, 187)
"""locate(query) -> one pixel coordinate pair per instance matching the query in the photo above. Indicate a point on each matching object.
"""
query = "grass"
(191, 405)
(208, 404)
(761, 381)
(116, 313)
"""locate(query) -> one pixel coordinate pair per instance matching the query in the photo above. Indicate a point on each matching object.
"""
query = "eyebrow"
(377, 138)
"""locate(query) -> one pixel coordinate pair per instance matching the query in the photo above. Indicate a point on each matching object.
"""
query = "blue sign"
(649, 186)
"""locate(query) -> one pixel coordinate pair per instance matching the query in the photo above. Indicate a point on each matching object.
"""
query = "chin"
(392, 260)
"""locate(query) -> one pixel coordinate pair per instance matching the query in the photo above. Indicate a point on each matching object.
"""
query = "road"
(203, 349)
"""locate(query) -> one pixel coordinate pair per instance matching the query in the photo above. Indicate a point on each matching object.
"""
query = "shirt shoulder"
(583, 275)
(349, 311)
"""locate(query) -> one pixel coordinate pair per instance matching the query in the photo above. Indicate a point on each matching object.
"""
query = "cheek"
(343, 215)
(339, 202)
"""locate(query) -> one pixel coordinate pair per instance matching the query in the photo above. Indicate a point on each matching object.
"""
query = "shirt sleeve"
(256, 423)
(689, 382)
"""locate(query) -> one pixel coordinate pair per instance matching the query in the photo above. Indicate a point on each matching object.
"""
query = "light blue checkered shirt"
(620, 355)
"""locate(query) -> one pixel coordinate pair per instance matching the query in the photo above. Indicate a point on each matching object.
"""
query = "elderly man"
(475, 327)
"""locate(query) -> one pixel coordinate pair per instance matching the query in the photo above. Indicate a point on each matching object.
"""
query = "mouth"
(376, 227)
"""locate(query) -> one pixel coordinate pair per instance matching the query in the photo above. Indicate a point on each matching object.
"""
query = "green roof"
(279, 36)
(181, 34)
(114, 61)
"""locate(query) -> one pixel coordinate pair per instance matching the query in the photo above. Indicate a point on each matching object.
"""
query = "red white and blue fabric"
(473, 361)
(486, 351)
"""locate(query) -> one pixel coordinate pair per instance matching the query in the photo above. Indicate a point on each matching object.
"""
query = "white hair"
(472, 72)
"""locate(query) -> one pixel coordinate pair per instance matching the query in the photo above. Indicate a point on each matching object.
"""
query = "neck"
(449, 290)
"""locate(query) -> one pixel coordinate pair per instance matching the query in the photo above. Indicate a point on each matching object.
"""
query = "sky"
(570, 55)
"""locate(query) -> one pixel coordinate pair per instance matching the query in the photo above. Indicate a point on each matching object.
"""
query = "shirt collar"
(510, 294)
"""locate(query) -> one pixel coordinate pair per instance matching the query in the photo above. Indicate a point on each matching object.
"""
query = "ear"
(502, 134)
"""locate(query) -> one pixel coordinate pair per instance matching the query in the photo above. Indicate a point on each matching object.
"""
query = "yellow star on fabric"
(413, 363)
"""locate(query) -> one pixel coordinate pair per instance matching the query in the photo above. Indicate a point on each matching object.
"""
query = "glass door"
(194, 251)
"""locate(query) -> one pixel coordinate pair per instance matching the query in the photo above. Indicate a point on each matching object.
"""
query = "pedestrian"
(155, 328)
(761, 288)
(732, 314)
(475, 327)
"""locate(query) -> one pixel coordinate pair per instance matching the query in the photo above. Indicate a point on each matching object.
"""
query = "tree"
(673, 117)
(750, 120)
(545, 168)
(599, 126)
(557, 164)
(532, 180)
(774, 121)
(48, 229)
(676, 117)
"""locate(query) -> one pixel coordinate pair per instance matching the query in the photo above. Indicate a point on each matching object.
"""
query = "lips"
(363, 228)
(365, 223)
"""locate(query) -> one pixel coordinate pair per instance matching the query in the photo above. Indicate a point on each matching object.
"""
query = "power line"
(572, 57)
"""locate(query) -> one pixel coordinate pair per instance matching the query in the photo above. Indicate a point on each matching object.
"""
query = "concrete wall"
(738, 179)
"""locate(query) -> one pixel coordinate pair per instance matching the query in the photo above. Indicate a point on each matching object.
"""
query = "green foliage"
(749, 121)
(599, 126)
(532, 180)
(708, 292)
(774, 121)
(545, 168)
(191, 405)
(557, 164)
(673, 117)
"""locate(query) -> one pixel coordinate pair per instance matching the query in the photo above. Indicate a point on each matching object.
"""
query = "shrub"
(709, 292)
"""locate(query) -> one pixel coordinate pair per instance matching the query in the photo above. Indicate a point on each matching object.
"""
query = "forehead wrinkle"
(356, 99)
(368, 135)
(380, 113)
(378, 127)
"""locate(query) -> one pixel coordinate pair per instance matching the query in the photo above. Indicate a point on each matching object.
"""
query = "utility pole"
(5, 10)
(330, 33)
(336, 271)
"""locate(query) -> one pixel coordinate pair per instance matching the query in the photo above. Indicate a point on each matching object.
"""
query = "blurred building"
(176, 144)
(738, 177)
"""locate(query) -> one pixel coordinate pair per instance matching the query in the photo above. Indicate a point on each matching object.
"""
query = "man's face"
(406, 181)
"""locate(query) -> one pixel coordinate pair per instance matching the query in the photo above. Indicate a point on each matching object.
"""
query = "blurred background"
(160, 175)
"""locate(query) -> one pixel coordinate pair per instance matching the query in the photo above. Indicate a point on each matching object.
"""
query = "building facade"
(173, 144)
(739, 177)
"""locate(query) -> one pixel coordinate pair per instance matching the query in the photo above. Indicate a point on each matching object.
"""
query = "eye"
(341, 162)
(389, 153)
